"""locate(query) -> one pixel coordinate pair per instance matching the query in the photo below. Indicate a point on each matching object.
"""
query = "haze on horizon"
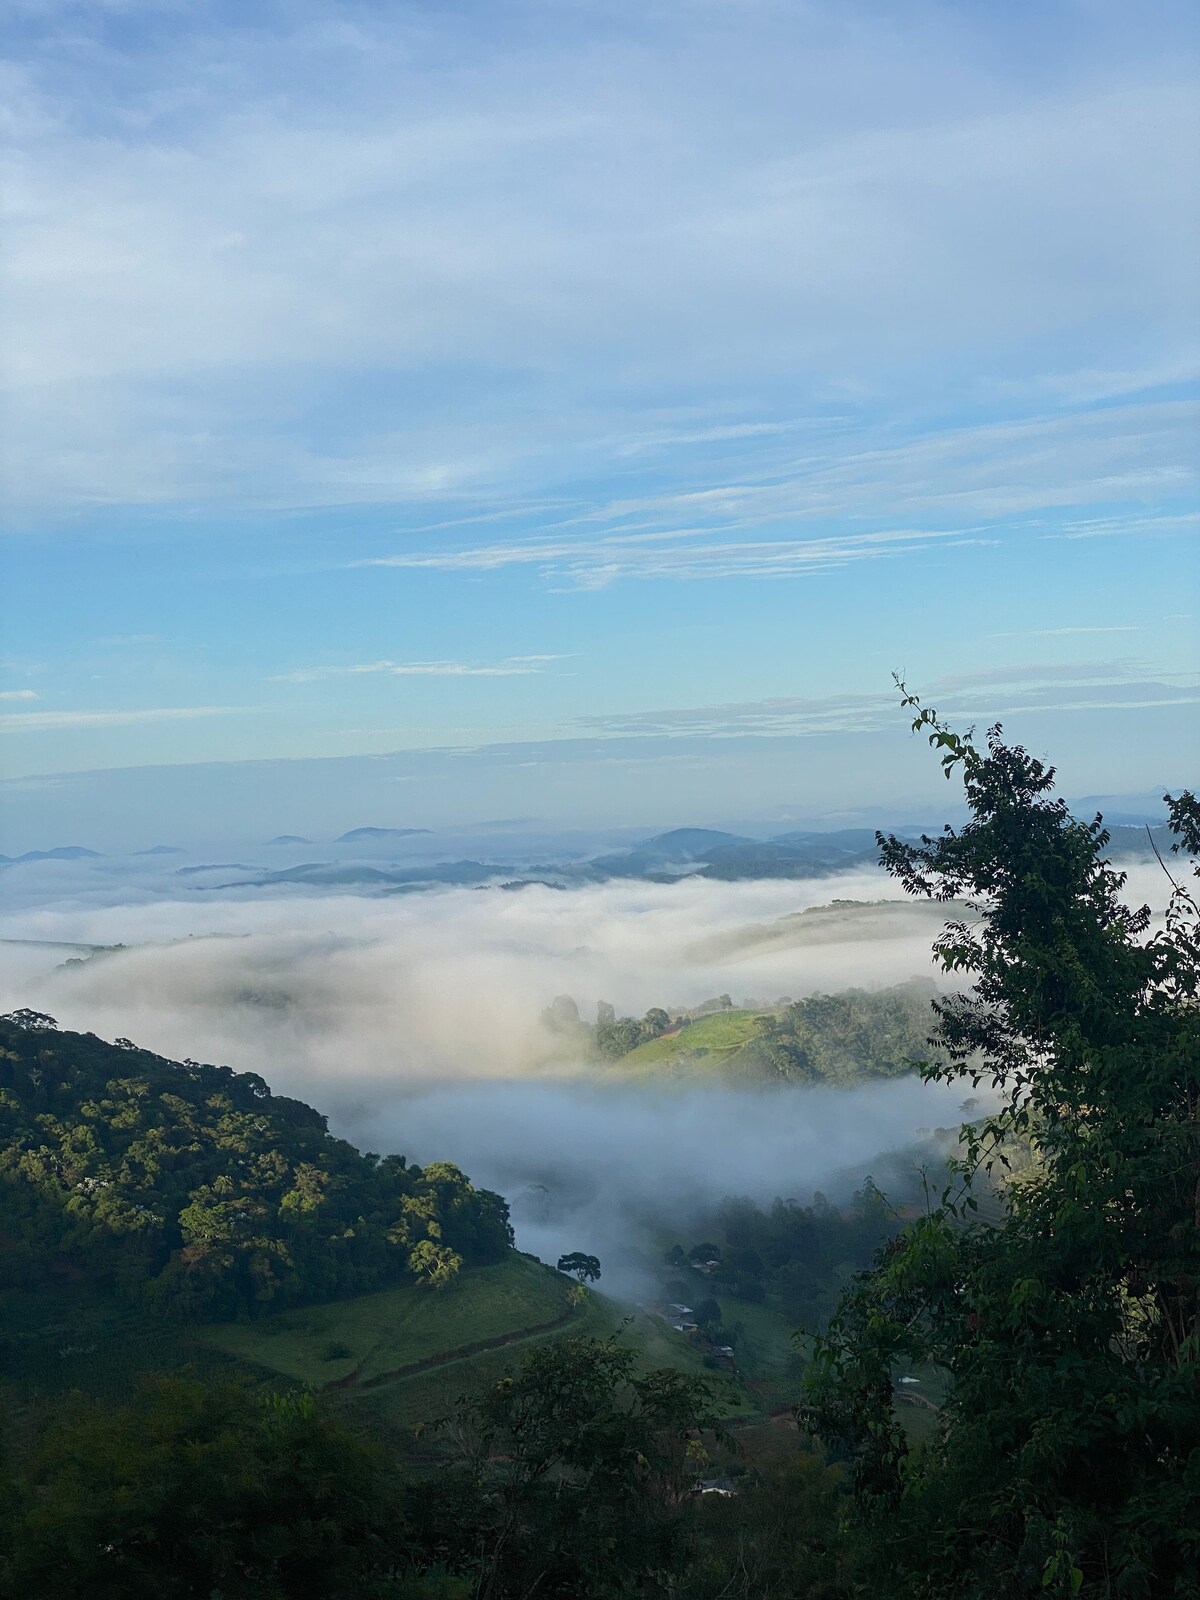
(432, 415)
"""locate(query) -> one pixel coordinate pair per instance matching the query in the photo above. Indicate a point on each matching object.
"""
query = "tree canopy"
(196, 1490)
(580, 1266)
(197, 1191)
(1068, 1459)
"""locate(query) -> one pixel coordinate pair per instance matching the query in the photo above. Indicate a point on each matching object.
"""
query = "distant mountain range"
(662, 858)
(357, 834)
(63, 852)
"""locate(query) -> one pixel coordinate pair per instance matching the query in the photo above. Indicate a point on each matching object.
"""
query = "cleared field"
(918, 1406)
(430, 1394)
(396, 1358)
(365, 1340)
(715, 1038)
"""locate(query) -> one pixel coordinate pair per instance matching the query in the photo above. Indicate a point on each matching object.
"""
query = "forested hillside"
(197, 1191)
(843, 1038)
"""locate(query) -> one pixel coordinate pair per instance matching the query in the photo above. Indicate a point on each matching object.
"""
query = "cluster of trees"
(843, 1038)
(1068, 1457)
(617, 1036)
(795, 1258)
(572, 1477)
(196, 1190)
(612, 1036)
(839, 1038)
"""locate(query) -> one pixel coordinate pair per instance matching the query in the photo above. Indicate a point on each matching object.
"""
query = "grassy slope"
(712, 1039)
(389, 1334)
(56, 1341)
(400, 1327)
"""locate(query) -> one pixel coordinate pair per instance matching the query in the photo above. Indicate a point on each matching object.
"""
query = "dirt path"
(446, 1358)
(917, 1400)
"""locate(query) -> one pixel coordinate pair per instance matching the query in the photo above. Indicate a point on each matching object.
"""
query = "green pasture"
(399, 1357)
(405, 1355)
(362, 1340)
(764, 1346)
(918, 1420)
(717, 1036)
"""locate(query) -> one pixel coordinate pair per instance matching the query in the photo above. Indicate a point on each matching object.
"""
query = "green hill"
(843, 1038)
(360, 1342)
(405, 1354)
(705, 1042)
(196, 1191)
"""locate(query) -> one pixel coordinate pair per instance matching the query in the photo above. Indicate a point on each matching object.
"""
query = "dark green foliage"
(843, 1038)
(583, 1267)
(571, 1476)
(195, 1190)
(617, 1036)
(202, 1490)
(1069, 1457)
(795, 1258)
(776, 1539)
(707, 1312)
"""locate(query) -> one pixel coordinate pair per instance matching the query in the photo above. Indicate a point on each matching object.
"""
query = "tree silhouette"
(585, 1268)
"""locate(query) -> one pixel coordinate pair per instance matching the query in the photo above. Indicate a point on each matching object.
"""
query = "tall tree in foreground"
(1068, 1459)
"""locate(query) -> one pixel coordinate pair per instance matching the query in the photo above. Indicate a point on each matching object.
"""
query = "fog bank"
(346, 999)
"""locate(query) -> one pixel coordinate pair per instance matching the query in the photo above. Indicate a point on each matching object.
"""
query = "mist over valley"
(424, 1023)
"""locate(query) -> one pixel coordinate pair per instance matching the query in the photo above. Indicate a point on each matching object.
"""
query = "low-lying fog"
(414, 1023)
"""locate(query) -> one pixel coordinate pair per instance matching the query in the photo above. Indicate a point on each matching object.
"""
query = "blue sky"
(646, 380)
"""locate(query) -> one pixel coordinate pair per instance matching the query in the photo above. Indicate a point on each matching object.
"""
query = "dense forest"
(844, 1038)
(791, 1257)
(825, 1038)
(197, 1191)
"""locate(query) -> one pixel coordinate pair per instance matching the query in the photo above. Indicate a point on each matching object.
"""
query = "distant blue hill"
(690, 844)
(161, 850)
(340, 874)
(218, 866)
(289, 838)
(62, 852)
(379, 833)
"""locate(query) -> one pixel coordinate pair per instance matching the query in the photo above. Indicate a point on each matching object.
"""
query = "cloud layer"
(415, 1024)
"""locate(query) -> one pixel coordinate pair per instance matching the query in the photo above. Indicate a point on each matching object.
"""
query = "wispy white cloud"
(1060, 633)
(591, 564)
(510, 667)
(18, 694)
(968, 484)
(64, 721)
(968, 697)
(1132, 525)
(220, 253)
